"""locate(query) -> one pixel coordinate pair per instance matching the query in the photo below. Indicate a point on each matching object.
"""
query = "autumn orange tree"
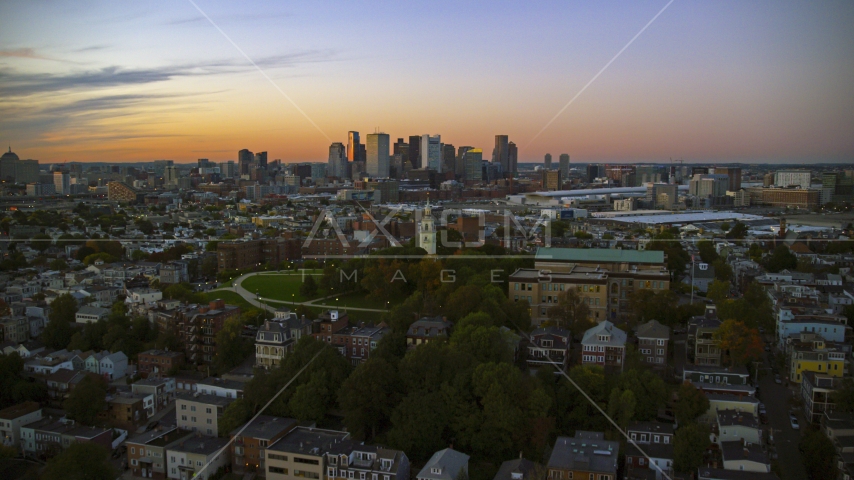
(743, 344)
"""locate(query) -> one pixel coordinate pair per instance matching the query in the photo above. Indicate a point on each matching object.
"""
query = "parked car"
(793, 421)
(762, 408)
(777, 379)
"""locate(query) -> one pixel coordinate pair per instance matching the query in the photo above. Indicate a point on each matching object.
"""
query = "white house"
(114, 365)
(87, 314)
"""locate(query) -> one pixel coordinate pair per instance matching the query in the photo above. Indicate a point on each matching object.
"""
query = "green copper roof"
(604, 255)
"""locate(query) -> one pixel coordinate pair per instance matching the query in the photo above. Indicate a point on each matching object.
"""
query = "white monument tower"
(427, 231)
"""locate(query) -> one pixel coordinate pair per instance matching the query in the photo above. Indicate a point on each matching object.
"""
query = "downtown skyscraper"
(501, 152)
(377, 161)
(353, 146)
(431, 152)
(337, 164)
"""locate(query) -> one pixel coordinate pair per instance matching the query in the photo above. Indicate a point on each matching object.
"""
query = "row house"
(13, 418)
(89, 314)
(251, 440)
(604, 345)
(220, 387)
(146, 453)
(51, 362)
(428, 329)
(748, 457)
(808, 352)
(162, 390)
(650, 448)
(15, 329)
(445, 464)
(586, 455)
(327, 324)
(200, 413)
(728, 401)
(357, 343)
(197, 458)
(24, 350)
(348, 459)
(62, 382)
(701, 345)
(549, 346)
(128, 409)
(198, 327)
(301, 453)
(817, 394)
(158, 363)
(49, 436)
(734, 425)
(653, 340)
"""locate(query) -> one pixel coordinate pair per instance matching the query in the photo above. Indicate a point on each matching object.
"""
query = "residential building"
(728, 401)
(278, 337)
(348, 459)
(816, 393)
(748, 457)
(737, 426)
(716, 375)
(13, 418)
(706, 473)
(327, 324)
(174, 272)
(88, 314)
(427, 330)
(445, 464)
(46, 438)
(162, 391)
(128, 409)
(221, 387)
(518, 469)
(586, 455)
(701, 345)
(146, 453)
(810, 353)
(200, 413)
(123, 193)
(549, 346)
(544, 288)
(198, 327)
(250, 442)
(700, 276)
(656, 441)
(604, 345)
(551, 180)
(197, 458)
(301, 453)
(113, 366)
(158, 363)
(627, 271)
(653, 341)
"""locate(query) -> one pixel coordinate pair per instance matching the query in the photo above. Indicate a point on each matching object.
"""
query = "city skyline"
(724, 82)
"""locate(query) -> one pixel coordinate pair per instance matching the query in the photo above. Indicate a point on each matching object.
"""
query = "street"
(776, 399)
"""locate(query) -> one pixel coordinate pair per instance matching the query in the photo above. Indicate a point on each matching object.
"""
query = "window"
(307, 461)
(133, 462)
(183, 406)
(193, 408)
(276, 456)
(184, 418)
(283, 471)
(132, 450)
(209, 421)
(193, 419)
(207, 410)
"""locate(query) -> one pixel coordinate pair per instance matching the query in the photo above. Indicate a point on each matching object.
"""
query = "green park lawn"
(229, 297)
(282, 287)
(357, 300)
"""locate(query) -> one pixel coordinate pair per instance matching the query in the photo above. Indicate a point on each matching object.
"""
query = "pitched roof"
(653, 329)
(448, 461)
(617, 337)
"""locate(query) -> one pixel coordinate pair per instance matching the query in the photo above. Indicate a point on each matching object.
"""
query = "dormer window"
(436, 470)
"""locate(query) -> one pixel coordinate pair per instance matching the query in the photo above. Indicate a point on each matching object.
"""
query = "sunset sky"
(768, 81)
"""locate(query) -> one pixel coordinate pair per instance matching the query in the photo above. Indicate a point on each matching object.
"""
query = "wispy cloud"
(28, 53)
(15, 83)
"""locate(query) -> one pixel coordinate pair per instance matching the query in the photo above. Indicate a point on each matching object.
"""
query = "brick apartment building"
(157, 363)
(199, 326)
(242, 255)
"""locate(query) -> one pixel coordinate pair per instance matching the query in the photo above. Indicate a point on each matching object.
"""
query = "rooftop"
(604, 255)
(19, 410)
(309, 441)
(587, 451)
(265, 427)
